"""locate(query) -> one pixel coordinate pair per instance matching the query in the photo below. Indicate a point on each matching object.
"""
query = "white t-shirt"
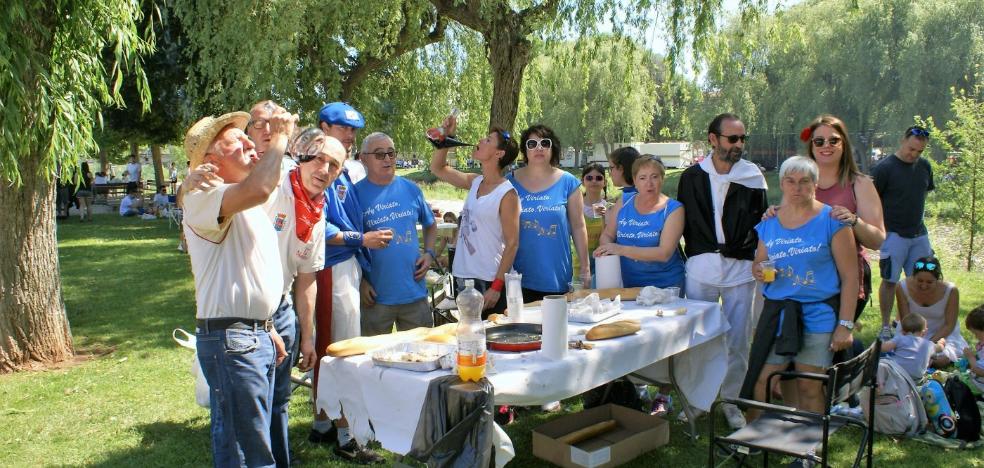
(160, 199)
(236, 263)
(133, 172)
(296, 256)
(356, 170)
(126, 204)
(478, 251)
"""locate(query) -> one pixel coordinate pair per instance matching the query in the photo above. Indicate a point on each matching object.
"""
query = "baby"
(912, 350)
(975, 355)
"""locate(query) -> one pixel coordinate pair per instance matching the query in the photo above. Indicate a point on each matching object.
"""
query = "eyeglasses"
(258, 123)
(382, 155)
(734, 138)
(596, 178)
(819, 142)
(928, 266)
(917, 132)
(532, 143)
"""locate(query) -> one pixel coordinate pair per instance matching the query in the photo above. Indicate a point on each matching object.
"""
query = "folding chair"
(798, 433)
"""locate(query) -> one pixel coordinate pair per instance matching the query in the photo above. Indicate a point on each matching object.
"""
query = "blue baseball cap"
(340, 113)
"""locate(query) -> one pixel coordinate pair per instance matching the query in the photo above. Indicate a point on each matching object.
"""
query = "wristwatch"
(846, 324)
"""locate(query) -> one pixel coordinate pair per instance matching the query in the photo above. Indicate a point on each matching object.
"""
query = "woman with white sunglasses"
(552, 215)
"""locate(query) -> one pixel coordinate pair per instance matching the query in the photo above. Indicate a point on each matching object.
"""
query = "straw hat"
(203, 132)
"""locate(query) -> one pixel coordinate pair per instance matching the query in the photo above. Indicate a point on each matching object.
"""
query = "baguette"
(613, 330)
(586, 433)
(364, 344)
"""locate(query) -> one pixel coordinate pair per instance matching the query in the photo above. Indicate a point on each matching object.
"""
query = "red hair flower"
(806, 134)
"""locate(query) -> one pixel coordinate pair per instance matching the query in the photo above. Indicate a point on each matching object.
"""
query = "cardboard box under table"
(634, 433)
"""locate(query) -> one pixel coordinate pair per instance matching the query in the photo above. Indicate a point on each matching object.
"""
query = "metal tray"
(435, 356)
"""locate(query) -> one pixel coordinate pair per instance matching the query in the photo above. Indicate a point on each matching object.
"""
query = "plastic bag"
(201, 385)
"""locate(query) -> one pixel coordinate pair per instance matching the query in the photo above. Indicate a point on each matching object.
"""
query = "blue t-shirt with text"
(805, 268)
(644, 230)
(398, 206)
(544, 254)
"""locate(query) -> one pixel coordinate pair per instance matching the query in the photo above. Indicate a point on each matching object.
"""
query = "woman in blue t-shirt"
(552, 215)
(647, 230)
(809, 306)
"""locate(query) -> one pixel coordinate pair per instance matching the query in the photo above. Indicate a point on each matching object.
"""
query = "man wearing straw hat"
(238, 281)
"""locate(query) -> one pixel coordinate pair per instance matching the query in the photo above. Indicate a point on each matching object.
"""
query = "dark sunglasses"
(734, 138)
(532, 143)
(382, 155)
(819, 142)
(597, 178)
(917, 132)
(928, 266)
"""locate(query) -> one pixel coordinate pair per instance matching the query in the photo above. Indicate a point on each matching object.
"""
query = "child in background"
(912, 351)
(975, 354)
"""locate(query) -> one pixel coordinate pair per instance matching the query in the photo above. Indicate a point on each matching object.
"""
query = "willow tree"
(53, 85)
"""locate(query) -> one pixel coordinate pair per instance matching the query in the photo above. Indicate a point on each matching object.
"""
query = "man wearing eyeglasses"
(393, 291)
(258, 130)
(902, 181)
(724, 197)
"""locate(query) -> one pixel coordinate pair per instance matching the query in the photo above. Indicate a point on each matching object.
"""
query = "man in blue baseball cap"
(337, 310)
(342, 121)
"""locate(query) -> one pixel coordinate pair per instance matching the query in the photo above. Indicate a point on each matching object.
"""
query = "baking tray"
(433, 356)
(516, 337)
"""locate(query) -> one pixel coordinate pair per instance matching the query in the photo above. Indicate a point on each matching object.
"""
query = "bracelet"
(352, 238)
(497, 285)
(855, 222)
(432, 253)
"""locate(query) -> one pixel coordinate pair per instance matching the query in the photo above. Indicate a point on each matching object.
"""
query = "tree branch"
(469, 14)
(430, 30)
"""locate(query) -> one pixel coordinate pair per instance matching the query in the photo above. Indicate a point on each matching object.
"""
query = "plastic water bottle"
(471, 334)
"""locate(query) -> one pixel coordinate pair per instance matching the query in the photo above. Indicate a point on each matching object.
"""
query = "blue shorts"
(815, 351)
(899, 253)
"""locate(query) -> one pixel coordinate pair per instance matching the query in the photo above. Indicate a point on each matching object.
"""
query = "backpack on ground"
(898, 408)
(964, 404)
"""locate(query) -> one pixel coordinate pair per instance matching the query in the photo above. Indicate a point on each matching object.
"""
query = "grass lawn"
(131, 402)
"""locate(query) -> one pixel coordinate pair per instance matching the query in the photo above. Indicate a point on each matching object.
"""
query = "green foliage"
(873, 63)
(960, 175)
(55, 80)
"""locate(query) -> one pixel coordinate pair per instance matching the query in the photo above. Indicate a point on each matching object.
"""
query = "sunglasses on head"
(544, 143)
(505, 135)
(596, 178)
(928, 266)
(734, 138)
(917, 132)
(819, 142)
(382, 155)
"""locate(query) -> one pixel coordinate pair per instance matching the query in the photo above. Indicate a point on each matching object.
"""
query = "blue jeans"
(286, 325)
(238, 363)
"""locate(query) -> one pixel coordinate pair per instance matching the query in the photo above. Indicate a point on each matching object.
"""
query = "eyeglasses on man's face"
(381, 155)
(734, 138)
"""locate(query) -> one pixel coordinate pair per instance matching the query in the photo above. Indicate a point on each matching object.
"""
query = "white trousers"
(346, 319)
(736, 302)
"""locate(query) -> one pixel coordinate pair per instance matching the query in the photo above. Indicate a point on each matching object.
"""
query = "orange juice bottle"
(471, 334)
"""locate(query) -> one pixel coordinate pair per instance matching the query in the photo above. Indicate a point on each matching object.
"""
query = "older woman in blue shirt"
(809, 307)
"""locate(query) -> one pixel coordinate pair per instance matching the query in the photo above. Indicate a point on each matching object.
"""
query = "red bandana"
(307, 212)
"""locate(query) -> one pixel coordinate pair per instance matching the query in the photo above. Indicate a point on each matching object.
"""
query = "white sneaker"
(682, 416)
(552, 407)
(734, 416)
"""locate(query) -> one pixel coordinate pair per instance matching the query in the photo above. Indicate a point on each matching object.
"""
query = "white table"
(392, 398)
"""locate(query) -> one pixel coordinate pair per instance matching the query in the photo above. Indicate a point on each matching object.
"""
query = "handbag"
(201, 385)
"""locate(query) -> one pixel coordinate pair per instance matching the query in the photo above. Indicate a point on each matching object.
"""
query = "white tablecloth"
(392, 398)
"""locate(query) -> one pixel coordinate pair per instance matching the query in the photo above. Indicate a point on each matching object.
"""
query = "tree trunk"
(508, 54)
(973, 221)
(33, 326)
(135, 150)
(103, 160)
(155, 152)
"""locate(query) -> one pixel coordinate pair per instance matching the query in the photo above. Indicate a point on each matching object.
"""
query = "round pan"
(510, 337)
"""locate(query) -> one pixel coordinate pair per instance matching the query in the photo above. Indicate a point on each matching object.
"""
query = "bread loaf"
(586, 433)
(613, 330)
(363, 344)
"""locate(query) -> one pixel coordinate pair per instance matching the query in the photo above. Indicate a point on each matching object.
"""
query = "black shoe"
(318, 437)
(356, 453)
